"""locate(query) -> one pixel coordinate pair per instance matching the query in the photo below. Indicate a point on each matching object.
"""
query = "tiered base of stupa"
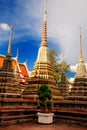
(35, 83)
(79, 87)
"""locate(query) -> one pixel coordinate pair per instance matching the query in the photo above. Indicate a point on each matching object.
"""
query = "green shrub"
(45, 96)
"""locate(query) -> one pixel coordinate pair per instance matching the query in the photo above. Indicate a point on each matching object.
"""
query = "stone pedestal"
(45, 118)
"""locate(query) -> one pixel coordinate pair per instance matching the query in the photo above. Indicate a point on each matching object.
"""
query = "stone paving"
(31, 126)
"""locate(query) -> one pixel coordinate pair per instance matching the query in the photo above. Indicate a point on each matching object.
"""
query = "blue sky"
(23, 37)
(27, 28)
(64, 18)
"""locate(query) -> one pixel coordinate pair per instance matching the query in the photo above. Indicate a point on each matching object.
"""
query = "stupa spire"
(10, 40)
(63, 63)
(44, 33)
(81, 68)
(81, 55)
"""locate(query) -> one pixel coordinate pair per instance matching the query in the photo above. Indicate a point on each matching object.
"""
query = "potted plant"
(45, 104)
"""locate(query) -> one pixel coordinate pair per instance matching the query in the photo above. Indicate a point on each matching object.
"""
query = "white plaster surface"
(45, 118)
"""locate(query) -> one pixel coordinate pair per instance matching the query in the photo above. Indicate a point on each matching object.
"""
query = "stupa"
(42, 71)
(73, 107)
(9, 83)
(79, 88)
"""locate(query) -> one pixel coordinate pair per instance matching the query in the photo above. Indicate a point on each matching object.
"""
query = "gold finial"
(44, 33)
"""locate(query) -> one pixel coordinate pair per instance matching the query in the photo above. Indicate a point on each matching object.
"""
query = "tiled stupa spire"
(10, 41)
(42, 64)
(42, 72)
(79, 89)
(7, 64)
(43, 50)
(81, 68)
(44, 33)
(9, 81)
(81, 55)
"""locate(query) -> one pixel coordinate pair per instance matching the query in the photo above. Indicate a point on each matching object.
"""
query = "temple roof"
(24, 70)
(1, 60)
(17, 67)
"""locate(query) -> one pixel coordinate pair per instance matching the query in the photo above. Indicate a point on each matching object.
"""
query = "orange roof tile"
(14, 64)
(15, 67)
(23, 70)
(1, 61)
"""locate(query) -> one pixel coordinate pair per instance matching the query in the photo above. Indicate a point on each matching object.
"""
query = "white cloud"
(4, 26)
(4, 32)
(71, 80)
(73, 68)
(64, 18)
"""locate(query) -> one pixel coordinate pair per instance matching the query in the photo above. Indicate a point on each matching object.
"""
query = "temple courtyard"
(35, 126)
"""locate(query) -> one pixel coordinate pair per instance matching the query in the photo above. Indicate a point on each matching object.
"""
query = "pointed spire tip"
(44, 33)
(10, 39)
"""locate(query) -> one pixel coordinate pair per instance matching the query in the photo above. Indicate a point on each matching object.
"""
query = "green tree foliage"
(45, 96)
(57, 67)
(53, 57)
(63, 66)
